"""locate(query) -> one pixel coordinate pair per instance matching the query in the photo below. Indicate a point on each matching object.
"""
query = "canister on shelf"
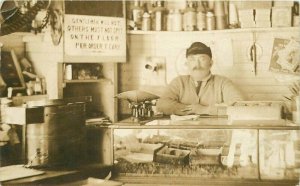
(159, 12)
(146, 25)
(137, 13)
(233, 16)
(219, 8)
(220, 22)
(177, 20)
(201, 17)
(170, 20)
(68, 72)
(189, 17)
(210, 21)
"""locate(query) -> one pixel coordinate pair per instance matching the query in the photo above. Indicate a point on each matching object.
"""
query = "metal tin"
(60, 139)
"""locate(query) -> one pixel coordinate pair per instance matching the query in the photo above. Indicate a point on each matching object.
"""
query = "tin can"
(210, 21)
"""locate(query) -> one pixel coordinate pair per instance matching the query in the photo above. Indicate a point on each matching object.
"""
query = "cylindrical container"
(210, 21)
(159, 16)
(68, 72)
(201, 17)
(211, 4)
(220, 22)
(233, 16)
(170, 20)
(60, 139)
(219, 8)
(146, 25)
(137, 13)
(189, 17)
(158, 21)
(177, 20)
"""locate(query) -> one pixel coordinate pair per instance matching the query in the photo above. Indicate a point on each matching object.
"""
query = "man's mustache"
(197, 68)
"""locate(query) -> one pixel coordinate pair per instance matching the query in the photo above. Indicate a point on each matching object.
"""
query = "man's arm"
(169, 101)
(231, 92)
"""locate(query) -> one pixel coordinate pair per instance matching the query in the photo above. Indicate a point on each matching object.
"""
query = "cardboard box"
(168, 155)
(281, 16)
(262, 24)
(262, 14)
(283, 3)
(252, 4)
(22, 115)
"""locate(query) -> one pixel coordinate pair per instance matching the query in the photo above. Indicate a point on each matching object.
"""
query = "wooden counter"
(63, 175)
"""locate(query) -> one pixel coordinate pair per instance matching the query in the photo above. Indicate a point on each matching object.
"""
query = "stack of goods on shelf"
(262, 17)
(169, 155)
(262, 111)
(162, 154)
(210, 15)
(282, 14)
(205, 156)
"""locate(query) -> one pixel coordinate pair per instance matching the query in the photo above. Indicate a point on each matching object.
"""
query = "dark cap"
(198, 48)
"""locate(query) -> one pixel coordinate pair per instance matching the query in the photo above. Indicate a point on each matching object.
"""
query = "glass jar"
(189, 17)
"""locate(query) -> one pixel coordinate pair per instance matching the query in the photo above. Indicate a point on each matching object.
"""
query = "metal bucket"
(60, 139)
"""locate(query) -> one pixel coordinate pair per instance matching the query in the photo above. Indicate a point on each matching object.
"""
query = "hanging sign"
(94, 36)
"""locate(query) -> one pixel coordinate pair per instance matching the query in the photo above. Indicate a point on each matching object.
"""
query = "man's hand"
(295, 88)
(193, 109)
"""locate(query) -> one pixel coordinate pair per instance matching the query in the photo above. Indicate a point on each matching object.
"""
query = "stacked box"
(168, 155)
(246, 18)
(281, 16)
(205, 156)
(263, 18)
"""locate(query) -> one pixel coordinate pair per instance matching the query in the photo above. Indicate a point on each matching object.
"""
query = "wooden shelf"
(237, 30)
(103, 80)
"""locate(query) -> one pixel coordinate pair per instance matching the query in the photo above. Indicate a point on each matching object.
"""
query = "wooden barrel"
(60, 139)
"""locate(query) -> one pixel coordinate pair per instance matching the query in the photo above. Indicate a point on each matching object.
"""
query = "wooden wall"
(230, 54)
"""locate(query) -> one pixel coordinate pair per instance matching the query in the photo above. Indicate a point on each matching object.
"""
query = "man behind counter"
(200, 91)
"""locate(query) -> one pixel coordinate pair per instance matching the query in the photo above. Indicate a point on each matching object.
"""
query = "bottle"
(44, 86)
(137, 13)
(146, 25)
(37, 86)
(177, 20)
(210, 21)
(159, 12)
(201, 17)
(170, 20)
(189, 17)
(68, 72)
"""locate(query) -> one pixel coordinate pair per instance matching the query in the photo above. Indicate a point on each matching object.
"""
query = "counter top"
(209, 123)
(63, 175)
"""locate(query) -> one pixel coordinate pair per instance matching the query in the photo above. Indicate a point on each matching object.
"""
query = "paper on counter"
(182, 118)
(12, 172)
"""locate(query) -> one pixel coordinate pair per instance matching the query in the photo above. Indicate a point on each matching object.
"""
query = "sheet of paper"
(17, 171)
